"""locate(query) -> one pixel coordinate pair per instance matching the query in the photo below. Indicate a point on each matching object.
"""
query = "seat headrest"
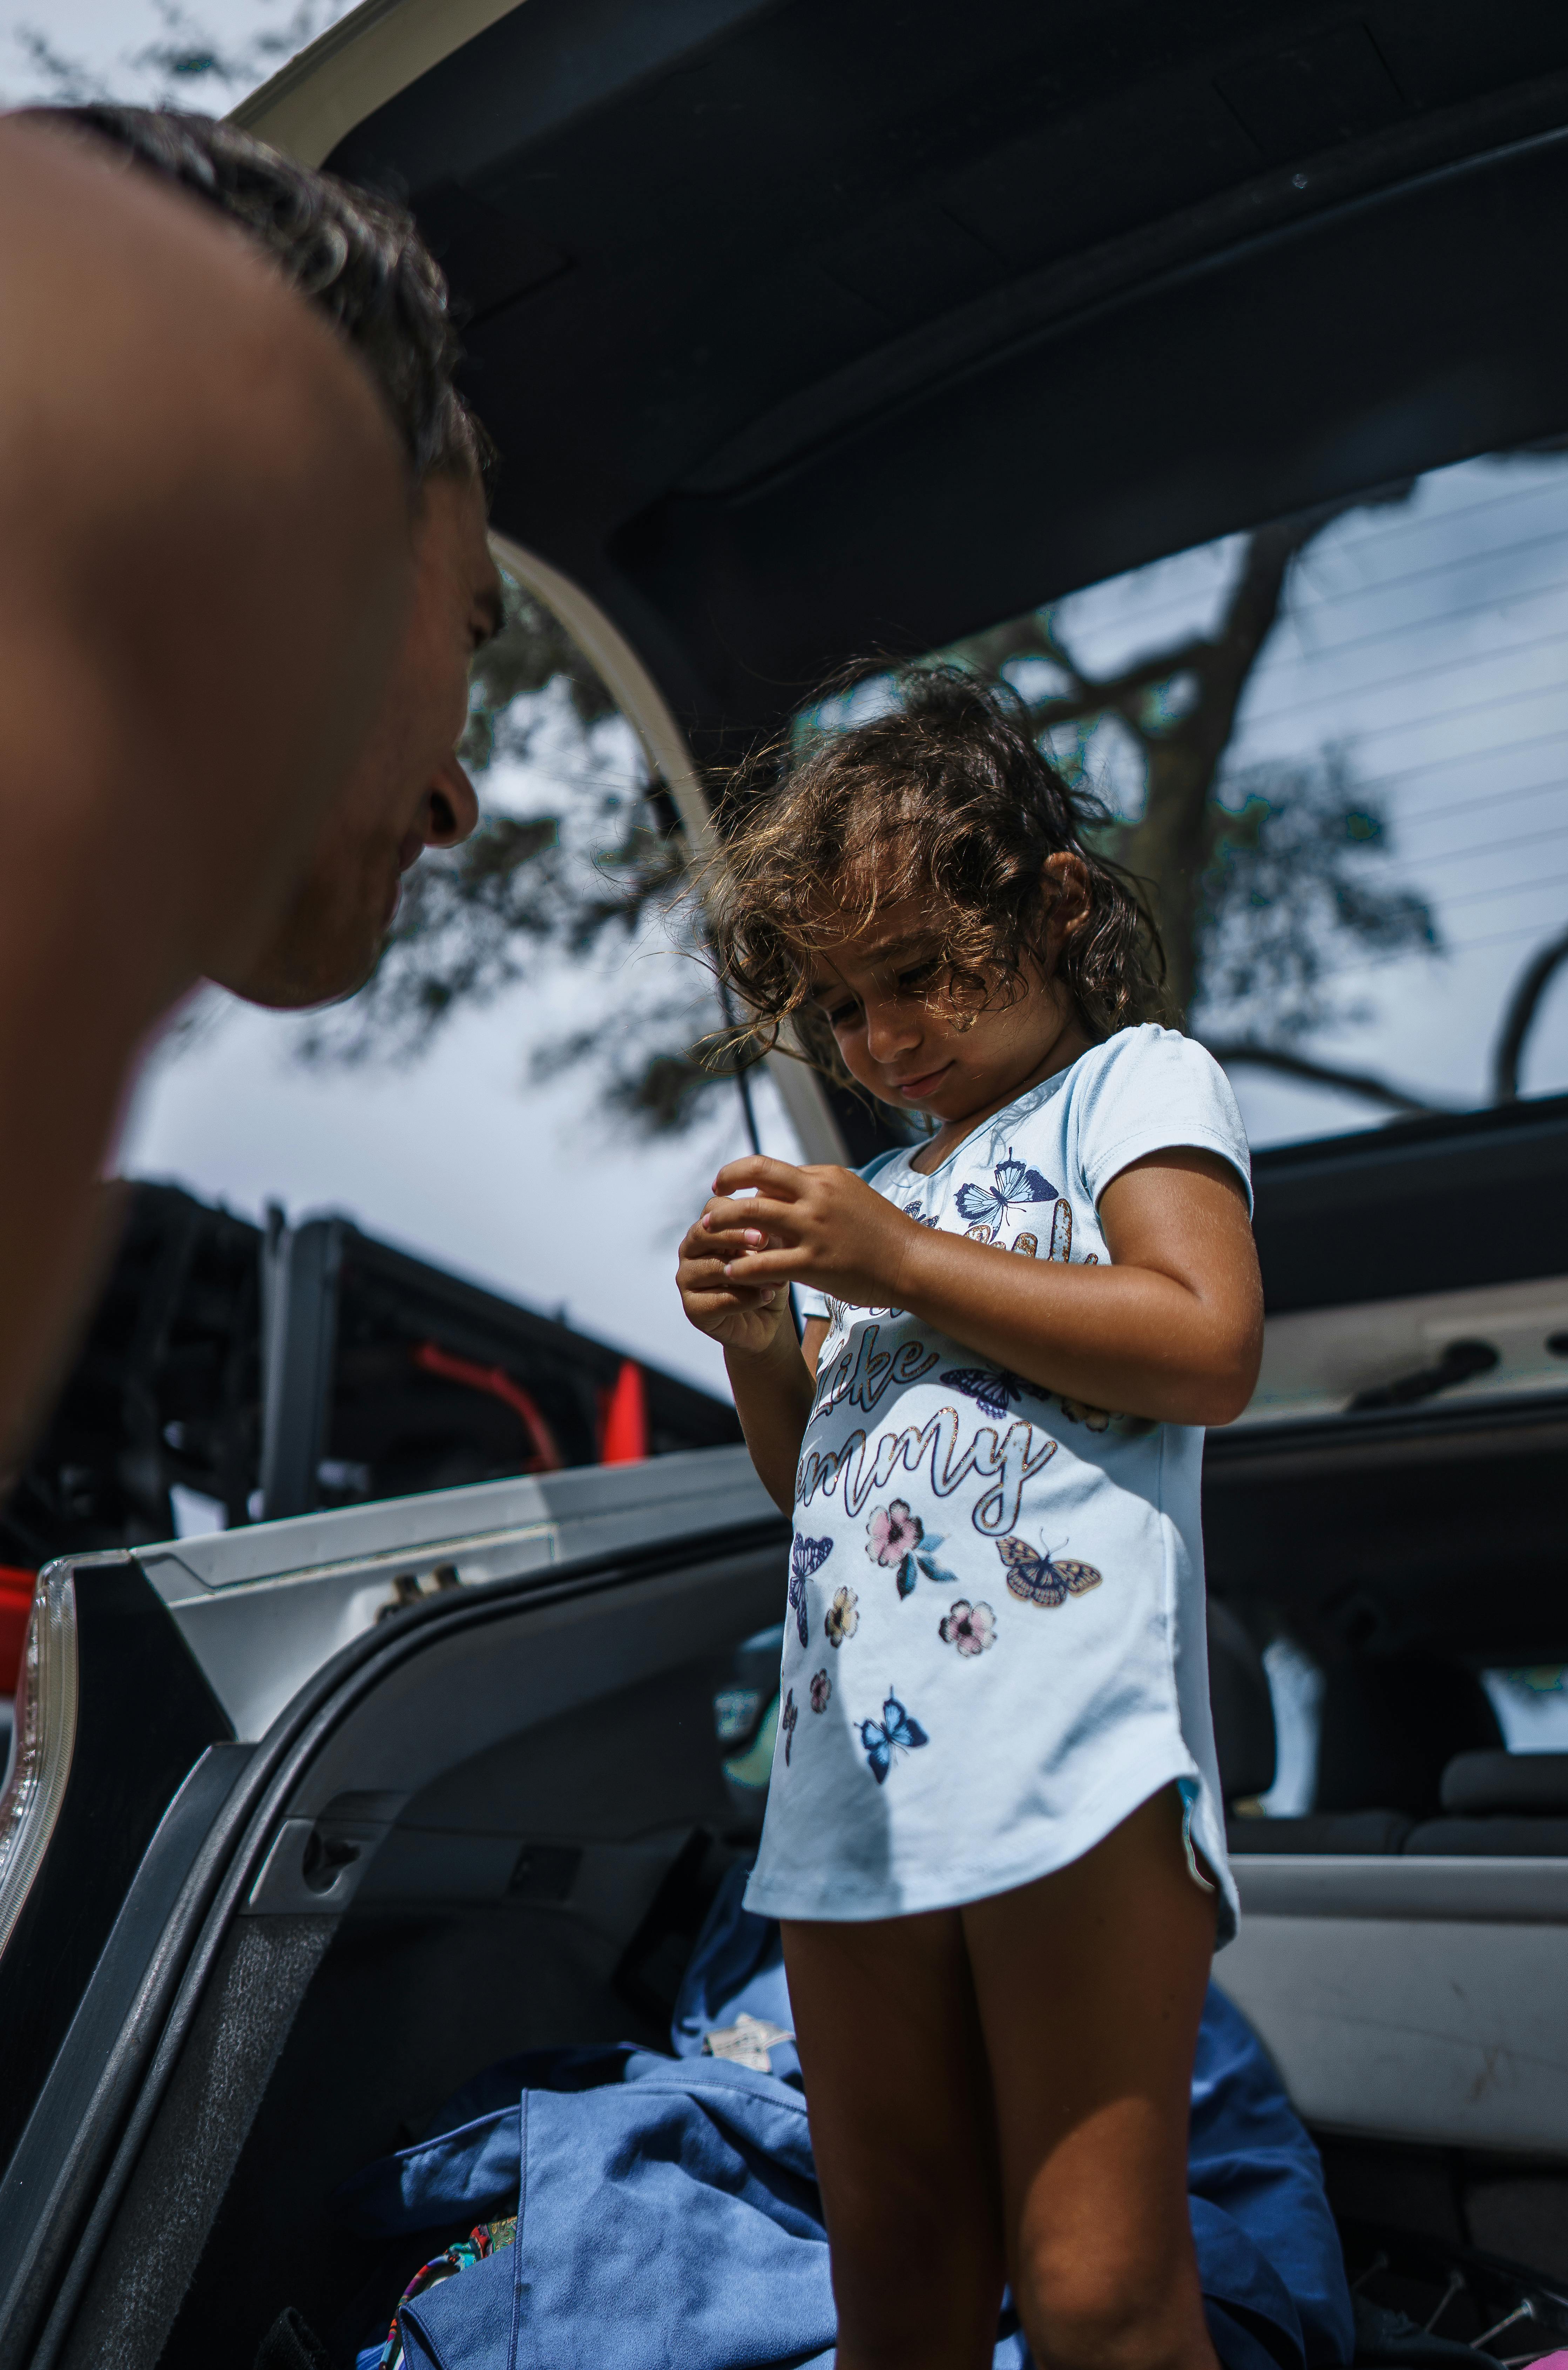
(1244, 1743)
(1475, 1784)
(1391, 1725)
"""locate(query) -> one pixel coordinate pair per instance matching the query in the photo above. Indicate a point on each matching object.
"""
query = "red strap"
(498, 1384)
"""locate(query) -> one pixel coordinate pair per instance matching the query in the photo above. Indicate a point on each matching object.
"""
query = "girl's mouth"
(917, 1089)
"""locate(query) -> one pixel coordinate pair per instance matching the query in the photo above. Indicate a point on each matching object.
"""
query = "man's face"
(408, 791)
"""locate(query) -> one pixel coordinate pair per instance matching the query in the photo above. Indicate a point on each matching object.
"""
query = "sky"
(1426, 642)
(106, 39)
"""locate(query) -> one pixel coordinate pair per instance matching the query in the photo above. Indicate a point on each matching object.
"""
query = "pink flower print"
(893, 1532)
(821, 1688)
(899, 1539)
(844, 1616)
(971, 1627)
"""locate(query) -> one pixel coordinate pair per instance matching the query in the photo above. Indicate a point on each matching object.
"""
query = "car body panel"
(356, 66)
(478, 1662)
(263, 1607)
(1421, 1999)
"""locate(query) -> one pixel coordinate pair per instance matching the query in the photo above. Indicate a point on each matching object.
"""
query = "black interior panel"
(805, 330)
(1413, 1208)
(1441, 1530)
(414, 1997)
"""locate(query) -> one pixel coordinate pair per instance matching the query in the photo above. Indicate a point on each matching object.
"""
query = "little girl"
(994, 1834)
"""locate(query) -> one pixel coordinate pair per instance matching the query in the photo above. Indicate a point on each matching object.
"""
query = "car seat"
(1391, 1725)
(1412, 1729)
(1246, 1746)
(1500, 1804)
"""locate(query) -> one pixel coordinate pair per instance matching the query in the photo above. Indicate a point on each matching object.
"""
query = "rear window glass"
(1531, 1704)
(1367, 708)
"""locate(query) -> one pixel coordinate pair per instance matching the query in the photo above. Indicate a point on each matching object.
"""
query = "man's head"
(360, 259)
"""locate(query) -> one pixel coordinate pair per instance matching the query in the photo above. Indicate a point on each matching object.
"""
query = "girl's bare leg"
(896, 2079)
(1089, 1986)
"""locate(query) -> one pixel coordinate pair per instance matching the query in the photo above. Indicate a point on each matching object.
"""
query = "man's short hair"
(357, 256)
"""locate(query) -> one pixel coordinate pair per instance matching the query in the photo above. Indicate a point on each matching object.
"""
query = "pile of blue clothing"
(633, 2209)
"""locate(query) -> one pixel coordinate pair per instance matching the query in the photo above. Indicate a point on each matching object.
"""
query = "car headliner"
(808, 331)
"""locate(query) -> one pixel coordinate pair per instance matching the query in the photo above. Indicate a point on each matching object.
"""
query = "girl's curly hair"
(948, 798)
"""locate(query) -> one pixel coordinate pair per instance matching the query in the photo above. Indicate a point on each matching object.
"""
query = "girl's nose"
(892, 1026)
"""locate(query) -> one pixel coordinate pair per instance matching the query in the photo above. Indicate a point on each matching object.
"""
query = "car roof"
(806, 331)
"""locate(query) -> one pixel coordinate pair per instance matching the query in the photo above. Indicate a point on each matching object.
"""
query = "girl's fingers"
(700, 1274)
(762, 1267)
(701, 1306)
(716, 1248)
(760, 1212)
(700, 1278)
(756, 1168)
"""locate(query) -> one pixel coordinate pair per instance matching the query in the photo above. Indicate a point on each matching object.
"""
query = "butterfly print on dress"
(991, 1387)
(1080, 1412)
(787, 1719)
(1038, 1577)
(894, 1731)
(806, 1556)
(1014, 1184)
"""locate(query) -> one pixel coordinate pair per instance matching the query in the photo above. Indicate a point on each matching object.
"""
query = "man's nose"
(451, 807)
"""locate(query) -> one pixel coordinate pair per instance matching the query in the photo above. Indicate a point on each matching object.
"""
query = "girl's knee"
(1107, 2313)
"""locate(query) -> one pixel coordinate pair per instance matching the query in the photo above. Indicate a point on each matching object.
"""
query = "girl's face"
(882, 989)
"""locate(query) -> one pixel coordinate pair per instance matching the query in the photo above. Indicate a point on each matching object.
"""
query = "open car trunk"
(480, 1824)
(491, 1760)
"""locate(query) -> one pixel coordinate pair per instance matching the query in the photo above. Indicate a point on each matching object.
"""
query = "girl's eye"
(919, 976)
(839, 1014)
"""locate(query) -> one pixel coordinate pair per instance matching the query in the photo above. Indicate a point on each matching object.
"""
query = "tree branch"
(1520, 1015)
(1035, 636)
(1365, 1083)
(1117, 692)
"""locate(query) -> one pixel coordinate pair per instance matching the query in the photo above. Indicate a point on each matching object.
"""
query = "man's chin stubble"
(281, 986)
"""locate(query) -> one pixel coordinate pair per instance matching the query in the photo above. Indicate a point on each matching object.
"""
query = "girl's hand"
(771, 1374)
(746, 1318)
(821, 1226)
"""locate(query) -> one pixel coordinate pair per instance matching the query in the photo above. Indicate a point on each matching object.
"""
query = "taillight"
(45, 1739)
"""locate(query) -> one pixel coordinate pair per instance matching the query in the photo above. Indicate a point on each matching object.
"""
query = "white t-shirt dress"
(994, 1649)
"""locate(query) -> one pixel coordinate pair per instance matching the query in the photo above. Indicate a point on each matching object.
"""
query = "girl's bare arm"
(773, 1398)
(1172, 1330)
